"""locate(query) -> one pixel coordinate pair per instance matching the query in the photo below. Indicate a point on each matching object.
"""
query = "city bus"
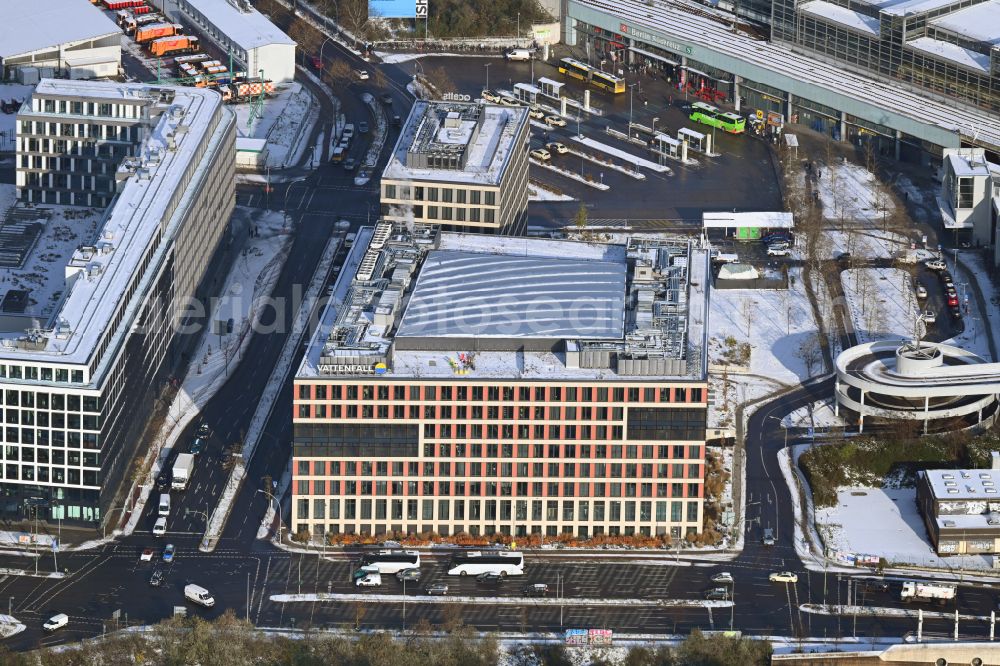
(475, 562)
(584, 72)
(707, 114)
(392, 561)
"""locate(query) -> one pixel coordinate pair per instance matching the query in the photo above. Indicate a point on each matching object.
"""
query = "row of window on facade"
(40, 474)
(581, 531)
(36, 373)
(467, 488)
(520, 510)
(86, 108)
(545, 394)
(48, 130)
(443, 194)
(34, 437)
(539, 452)
(35, 400)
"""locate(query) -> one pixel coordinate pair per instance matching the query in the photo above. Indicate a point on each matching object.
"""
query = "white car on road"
(722, 577)
(160, 527)
(541, 155)
(362, 74)
(555, 121)
(783, 577)
(371, 580)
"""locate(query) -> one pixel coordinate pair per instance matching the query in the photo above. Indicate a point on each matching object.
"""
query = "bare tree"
(810, 353)
(747, 311)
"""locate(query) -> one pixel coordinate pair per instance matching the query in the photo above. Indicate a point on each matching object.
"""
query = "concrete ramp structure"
(945, 387)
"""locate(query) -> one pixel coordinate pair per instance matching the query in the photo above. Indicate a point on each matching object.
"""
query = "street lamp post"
(631, 89)
(10, 605)
(278, 502)
(487, 66)
(559, 588)
(322, 69)
(654, 125)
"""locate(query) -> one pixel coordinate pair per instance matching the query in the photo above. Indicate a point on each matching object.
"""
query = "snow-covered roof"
(964, 164)
(777, 61)
(979, 22)
(250, 29)
(33, 26)
(953, 52)
(488, 147)
(738, 272)
(435, 304)
(752, 219)
(968, 521)
(913, 7)
(964, 484)
(843, 16)
(98, 280)
(463, 294)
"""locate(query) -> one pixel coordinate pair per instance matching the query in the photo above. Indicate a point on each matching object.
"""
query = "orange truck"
(245, 90)
(148, 33)
(172, 45)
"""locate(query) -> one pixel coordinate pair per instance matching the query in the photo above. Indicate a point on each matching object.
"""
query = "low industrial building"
(462, 383)
(238, 28)
(66, 38)
(461, 167)
(961, 509)
(91, 327)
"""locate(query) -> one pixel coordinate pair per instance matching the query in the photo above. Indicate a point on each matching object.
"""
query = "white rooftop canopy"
(33, 26)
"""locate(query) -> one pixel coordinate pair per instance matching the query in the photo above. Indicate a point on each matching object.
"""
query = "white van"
(198, 595)
(56, 622)
(519, 54)
(164, 505)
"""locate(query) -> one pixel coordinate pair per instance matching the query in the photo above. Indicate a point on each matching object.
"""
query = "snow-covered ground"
(863, 243)
(8, 92)
(882, 303)
(539, 193)
(251, 279)
(980, 322)
(780, 328)
(851, 192)
(884, 522)
(817, 415)
(621, 154)
(396, 58)
(286, 122)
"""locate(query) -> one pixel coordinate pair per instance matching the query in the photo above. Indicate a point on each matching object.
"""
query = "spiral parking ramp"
(943, 386)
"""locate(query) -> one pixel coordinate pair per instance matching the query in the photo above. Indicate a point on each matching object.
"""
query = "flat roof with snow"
(249, 29)
(757, 220)
(953, 52)
(979, 22)
(456, 142)
(98, 275)
(440, 304)
(34, 26)
(843, 16)
(914, 7)
(964, 484)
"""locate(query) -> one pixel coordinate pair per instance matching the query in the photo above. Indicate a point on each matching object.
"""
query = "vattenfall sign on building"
(655, 39)
(352, 369)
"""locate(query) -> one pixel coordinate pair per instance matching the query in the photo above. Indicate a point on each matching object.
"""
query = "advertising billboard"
(397, 9)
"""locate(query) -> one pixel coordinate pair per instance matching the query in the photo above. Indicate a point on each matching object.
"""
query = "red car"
(317, 63)
(953, 301)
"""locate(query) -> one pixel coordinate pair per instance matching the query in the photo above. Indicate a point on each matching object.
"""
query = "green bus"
(712, 116)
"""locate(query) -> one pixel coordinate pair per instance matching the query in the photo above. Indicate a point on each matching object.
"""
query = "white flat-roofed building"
(237, 27)
(58, 37)
(961, 508)
(968, 188)
(461, 166)
(85, 345)
(463, 383)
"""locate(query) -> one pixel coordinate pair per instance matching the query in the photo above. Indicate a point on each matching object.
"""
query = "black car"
(197, 446)
(411, 574)
(489, 578)
(956, 312)
(163, 480)
(156, 579)
(536, 590)
(203, 430)
(876, 586)
(386, 99)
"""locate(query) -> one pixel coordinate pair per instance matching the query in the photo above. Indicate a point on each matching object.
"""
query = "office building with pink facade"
(460, 383)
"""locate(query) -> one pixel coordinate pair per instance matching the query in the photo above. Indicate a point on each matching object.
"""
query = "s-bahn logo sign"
(655, 39)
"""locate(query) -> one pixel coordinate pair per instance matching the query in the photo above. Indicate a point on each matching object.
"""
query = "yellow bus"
(584, 72)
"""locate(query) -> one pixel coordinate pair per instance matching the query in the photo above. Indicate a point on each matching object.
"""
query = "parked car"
(490, 96)
(509, 101)
(928, 316)
(537, 114)
(945, 276)
(362, 74)
(396, 120)
(437, 590)
(555, 121)
(783, 577)
(156, 579)
(363, 127)
(921, 291)
(168, 553)
(350, 164)
(408, 574)
(147, 555)
(541, 155)
(348, 132)
(776, 237)
(936, 264)
(778, 251)
(160, 526)
(536, 590)
(370, 580)
(722, 577)
(844, 257)
(717, 594)
(556, 147)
